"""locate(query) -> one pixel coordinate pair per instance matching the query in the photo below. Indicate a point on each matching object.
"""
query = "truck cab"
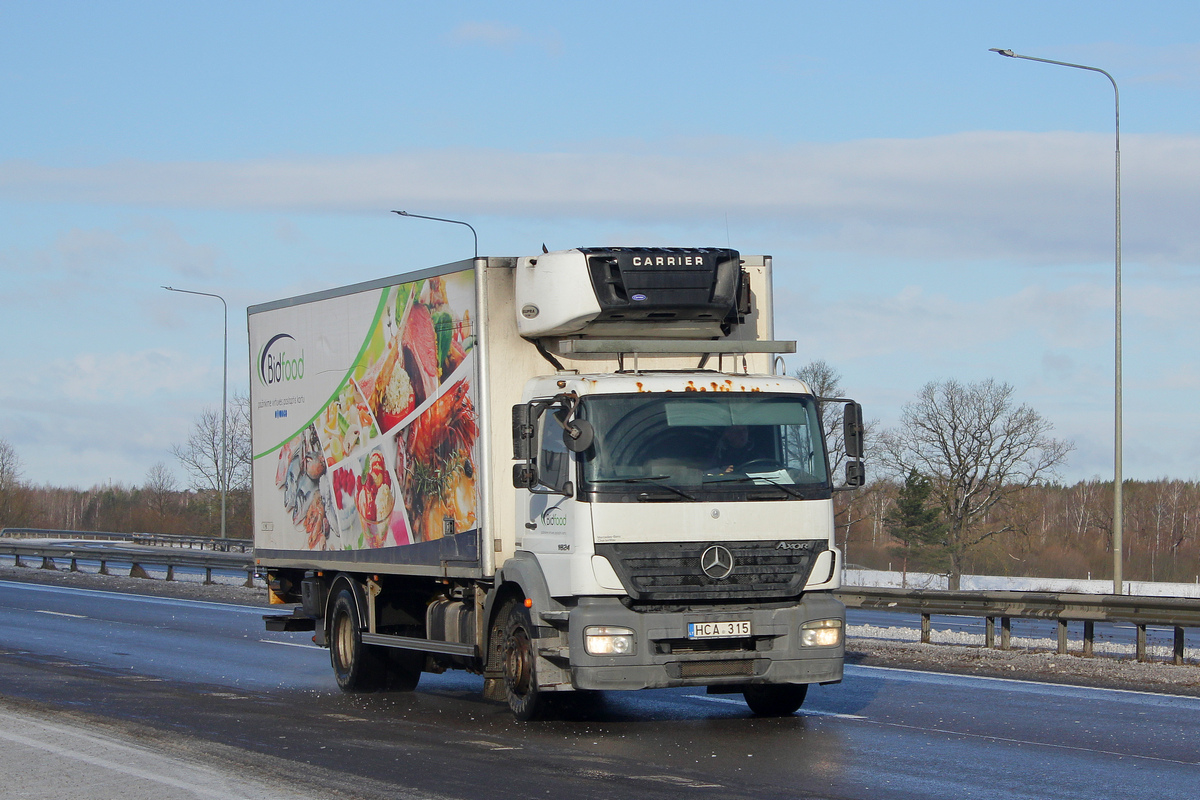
(683, 525)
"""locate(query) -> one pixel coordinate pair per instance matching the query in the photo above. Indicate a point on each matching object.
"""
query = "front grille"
(692, 646)
(665, 572)
(715, 669)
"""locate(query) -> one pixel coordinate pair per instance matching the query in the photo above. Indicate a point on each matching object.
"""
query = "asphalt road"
(176, 671)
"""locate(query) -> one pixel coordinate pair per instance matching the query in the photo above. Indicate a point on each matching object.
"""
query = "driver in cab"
(733, 449)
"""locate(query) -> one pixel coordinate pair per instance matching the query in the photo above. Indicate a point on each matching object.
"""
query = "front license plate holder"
(725, 629)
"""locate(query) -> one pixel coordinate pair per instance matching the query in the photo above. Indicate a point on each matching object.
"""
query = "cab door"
(549, 514)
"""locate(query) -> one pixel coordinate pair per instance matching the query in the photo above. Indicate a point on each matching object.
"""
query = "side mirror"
(522, 432)
(852, 430)
(856, 473)
(524, 476)
(578, 435)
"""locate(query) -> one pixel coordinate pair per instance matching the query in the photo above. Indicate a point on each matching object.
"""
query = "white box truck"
(575, 471)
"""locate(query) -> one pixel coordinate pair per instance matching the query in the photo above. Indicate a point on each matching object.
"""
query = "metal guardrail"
(1172, 612)
(160, 539)
(138, 558)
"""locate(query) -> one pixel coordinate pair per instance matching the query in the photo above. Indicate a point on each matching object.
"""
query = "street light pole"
(223, 468)
(443, 219)
(1118, 488)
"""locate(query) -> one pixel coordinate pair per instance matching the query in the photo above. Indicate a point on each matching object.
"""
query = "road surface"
(209, 675)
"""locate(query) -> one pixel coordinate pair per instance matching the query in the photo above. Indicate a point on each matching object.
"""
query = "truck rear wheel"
(356, 666)
(404, 669)
(776, 700)
(520, 665)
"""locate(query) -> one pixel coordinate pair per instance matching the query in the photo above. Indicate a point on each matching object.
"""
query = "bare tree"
(201, 455)
(15, 507)
(978, 451)
(825, 381)
(849, 508)
(160, 488)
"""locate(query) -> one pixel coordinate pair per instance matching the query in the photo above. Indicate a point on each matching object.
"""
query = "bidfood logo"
(280, 361)
(554, 518)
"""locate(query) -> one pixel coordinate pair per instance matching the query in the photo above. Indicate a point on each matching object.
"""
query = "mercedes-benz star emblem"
(717, 562)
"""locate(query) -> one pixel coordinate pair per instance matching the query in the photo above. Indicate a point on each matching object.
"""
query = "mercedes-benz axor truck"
(570, 472)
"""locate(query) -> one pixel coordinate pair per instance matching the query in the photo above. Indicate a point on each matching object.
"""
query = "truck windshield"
(679, 447)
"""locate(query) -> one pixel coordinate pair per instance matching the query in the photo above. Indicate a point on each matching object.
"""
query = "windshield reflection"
(681, 447)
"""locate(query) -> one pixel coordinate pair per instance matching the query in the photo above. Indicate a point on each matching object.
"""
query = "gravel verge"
(1043, 665)
(1027, 663)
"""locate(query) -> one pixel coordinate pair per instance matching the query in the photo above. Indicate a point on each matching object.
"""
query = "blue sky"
(935, 211)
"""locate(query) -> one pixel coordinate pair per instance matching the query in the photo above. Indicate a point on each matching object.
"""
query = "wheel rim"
(518, 663)
(343, 641)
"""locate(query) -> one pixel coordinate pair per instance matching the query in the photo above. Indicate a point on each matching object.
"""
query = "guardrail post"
(1178, 646)
(989, 633)
(1141, 643)
(170, 572)
(926, 637)
(249, 584)
(208, 576)
(48, 563)
(74, 564)
(103, 567)
(1062, 637)
(1006, 633)
(137, 571)
(1089, 637)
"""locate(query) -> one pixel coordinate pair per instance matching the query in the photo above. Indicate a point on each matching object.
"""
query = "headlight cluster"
(606, 640)
(821, 633)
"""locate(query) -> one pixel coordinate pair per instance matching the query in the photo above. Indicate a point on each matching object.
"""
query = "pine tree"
(920, 530)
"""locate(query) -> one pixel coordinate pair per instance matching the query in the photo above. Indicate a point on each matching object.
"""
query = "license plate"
(718, 630)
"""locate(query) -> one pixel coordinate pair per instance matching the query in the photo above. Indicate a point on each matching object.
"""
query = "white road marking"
(192, 784)
(490, 745)
(292, 644)
(804, 712)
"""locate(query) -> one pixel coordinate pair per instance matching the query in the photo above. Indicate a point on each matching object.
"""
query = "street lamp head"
(1008, 53)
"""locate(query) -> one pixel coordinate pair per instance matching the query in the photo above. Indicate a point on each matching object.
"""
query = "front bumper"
(664, 656)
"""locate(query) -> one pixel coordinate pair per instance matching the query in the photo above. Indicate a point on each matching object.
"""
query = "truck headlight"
(821, 633)
(606, 640)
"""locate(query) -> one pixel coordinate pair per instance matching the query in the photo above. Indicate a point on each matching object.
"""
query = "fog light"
(821, 633)
(606, 640)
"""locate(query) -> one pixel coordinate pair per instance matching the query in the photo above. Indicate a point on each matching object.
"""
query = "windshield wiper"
(755, 478)
(649, 479)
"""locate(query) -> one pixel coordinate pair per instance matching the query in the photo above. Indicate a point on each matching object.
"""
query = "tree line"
(1054, 530)
(160, 504)
(967, 483)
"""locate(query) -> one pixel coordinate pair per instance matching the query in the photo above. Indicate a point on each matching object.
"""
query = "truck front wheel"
(357, 667)
(776, 700)
(520, 665)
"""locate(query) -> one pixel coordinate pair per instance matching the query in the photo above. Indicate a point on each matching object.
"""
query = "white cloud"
(492, 34)
(501, 36)
(1033, 198)
(91, 377)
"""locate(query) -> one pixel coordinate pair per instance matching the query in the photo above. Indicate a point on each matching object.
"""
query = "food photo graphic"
(389, 461)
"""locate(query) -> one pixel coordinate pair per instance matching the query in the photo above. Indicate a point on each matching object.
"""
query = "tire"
(404, 669)
(357, 667)
(520, 665)
(775, 700)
